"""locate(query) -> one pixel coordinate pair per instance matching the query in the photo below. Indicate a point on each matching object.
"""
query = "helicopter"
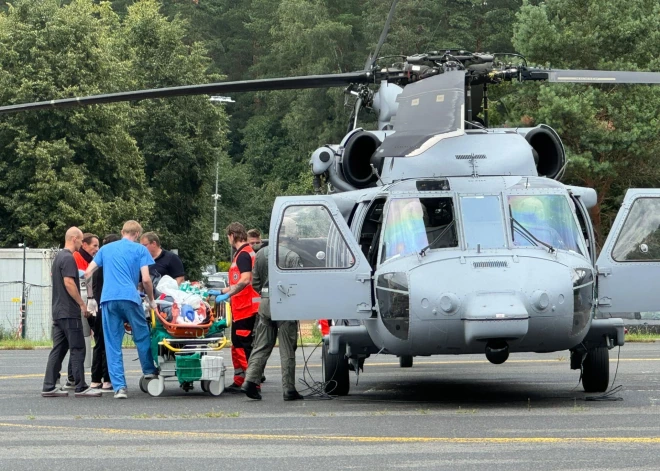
(442, 236)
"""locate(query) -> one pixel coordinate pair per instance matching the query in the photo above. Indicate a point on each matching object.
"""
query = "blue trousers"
(115, 313)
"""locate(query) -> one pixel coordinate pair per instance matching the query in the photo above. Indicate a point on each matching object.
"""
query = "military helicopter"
(442, 236)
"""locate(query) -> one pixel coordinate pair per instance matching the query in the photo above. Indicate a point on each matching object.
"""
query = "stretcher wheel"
(155, 387)
(215, 388)
(205, 385)
(406, 361)
(143, 384)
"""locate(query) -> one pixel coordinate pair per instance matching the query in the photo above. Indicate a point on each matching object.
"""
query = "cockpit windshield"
(544, 220)
(413, 224)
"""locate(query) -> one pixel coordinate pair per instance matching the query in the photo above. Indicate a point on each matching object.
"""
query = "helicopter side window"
(544, 219)
(308, 238)
(415, 223)
(371, 231)
(639, 239)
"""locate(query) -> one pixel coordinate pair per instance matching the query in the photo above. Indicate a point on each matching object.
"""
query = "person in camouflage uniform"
(268, 331)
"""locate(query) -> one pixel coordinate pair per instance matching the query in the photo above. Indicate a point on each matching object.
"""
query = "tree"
(66, 167)
(611, 131)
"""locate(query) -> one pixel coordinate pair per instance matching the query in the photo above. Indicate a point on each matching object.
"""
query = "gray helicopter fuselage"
(458, 298)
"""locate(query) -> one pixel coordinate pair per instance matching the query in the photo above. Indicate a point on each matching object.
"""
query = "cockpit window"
(482, 222)
(544, 219)
(413, 224)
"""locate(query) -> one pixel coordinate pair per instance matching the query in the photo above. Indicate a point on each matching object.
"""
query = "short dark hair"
(111, 238)
(254, 233)
(88, 237)
(151, 237)
(237, 230)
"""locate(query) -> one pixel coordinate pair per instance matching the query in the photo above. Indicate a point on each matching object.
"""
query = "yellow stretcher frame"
(217, 348)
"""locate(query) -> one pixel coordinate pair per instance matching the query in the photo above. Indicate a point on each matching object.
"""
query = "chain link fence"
(38, 293)
(38, 311)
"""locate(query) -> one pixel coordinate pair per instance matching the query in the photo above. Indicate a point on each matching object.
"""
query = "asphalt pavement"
(453, 413)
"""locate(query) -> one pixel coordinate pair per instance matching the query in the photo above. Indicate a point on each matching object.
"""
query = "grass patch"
(466, 411)
(12, 343)
(315, 338)
(23, 344)
(641, 337)
(128, 342)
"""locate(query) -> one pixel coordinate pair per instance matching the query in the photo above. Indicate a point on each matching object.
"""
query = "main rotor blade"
(310, 81)
(383, 35)
(594, 76)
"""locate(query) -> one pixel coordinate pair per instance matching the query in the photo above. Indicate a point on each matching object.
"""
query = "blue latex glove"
(214, 292)
(222, 298)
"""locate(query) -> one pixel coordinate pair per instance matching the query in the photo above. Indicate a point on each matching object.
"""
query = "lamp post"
(23, 295)
(216, 197)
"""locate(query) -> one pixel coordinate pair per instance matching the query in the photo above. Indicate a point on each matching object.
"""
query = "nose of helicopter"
(494, 315)
(465, 303)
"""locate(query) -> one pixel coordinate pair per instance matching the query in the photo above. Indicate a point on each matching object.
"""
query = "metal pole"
(485, 104)
(216, 197)
(23, 296)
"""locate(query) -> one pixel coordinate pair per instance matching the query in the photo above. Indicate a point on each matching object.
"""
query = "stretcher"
(187, 353)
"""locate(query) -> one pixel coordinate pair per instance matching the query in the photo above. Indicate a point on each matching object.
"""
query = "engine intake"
(548, 149)
(356, 161)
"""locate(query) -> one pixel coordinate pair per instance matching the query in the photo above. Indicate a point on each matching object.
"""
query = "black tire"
(143, 385)
(335, 369)
(406, 361)
(596, 370)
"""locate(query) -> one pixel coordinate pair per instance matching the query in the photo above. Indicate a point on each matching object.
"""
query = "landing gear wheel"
(335, 369)
(143, 384)
(204, 385)
(406, 361)
(155, 387)
(596, 370)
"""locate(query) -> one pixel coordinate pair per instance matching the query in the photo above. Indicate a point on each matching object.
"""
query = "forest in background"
(155, 160)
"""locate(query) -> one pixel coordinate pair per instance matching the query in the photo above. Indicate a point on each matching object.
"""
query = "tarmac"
(444, 413)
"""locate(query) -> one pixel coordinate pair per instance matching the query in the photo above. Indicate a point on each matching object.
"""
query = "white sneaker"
(121, 394)
(89, 392)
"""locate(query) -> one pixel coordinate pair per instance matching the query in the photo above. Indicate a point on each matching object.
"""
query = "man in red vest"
(244, 302)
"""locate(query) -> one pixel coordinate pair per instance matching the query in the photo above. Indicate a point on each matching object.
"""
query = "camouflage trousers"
(266, 332)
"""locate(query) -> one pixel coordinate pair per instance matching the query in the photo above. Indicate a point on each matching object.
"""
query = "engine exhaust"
(497, 351)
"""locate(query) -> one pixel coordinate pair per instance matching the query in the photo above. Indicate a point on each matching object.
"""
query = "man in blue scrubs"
(122, 263)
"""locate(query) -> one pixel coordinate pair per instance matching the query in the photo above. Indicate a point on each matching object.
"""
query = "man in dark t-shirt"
(166, 262)
(67, 308)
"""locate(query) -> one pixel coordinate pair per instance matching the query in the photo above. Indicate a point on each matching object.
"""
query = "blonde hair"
(131, 228)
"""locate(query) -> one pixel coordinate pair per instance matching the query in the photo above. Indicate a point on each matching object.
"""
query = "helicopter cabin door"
(316, 269)
(629, 264)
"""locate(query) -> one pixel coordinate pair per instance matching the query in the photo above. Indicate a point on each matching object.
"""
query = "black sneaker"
(233, 388)
(55, 393)
(251, 390)
(293, 396)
